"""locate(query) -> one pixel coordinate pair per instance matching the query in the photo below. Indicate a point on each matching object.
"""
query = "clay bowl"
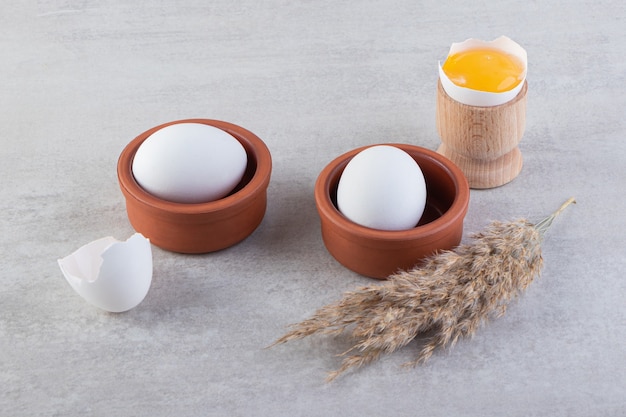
(379, 253)
(203, 227)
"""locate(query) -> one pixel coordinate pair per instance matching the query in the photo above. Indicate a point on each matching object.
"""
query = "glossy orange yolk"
(484, 69)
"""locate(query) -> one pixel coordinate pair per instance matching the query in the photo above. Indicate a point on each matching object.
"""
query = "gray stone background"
(313, 79)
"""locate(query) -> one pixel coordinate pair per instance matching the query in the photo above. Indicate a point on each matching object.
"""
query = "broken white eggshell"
(112, 275)
(478, 98)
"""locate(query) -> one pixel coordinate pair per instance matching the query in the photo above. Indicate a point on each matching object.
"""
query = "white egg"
(112, 275)
(382, 187)
(189, 163)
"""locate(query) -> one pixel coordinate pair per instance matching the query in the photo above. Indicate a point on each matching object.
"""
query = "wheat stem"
(545, 224)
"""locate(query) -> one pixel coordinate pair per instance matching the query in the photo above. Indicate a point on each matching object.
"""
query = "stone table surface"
(313, 79)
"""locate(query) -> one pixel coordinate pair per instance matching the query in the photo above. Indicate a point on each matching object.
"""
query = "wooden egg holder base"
(482, 141)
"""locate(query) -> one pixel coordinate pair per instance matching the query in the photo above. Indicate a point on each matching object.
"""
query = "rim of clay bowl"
(429, 230)
(257, 152)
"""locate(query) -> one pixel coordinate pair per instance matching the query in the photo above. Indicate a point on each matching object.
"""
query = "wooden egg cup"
(482, 141)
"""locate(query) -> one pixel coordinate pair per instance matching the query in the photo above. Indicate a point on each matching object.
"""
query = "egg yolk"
(484, 69)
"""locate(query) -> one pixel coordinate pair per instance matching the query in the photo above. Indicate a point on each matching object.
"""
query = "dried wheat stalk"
(448, 295)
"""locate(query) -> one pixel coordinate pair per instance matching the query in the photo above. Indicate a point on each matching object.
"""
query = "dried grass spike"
(448, 296)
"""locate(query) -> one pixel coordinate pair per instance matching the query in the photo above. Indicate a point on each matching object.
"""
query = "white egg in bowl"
(194, 221)
(378, 253)
(189, 163)
(382, 187)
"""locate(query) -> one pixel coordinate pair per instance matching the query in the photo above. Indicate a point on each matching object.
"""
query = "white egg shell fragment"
(382, 187)
(112, 275)
(478, 98)
(189, 163)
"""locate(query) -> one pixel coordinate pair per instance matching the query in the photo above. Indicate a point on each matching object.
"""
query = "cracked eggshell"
(112, 275)
(478, 98)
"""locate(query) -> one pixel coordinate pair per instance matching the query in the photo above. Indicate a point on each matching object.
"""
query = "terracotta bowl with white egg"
(378, 250)
(195, 185)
